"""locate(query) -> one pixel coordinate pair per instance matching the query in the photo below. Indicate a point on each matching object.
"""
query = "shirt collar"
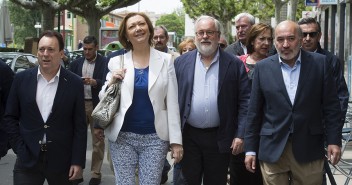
(91, 62)
(40, 75)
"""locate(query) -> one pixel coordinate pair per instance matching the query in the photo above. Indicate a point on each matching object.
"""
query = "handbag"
(104, 113)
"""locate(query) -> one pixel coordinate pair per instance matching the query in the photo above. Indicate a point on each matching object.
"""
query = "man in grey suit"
(292, 93)
(243, 23)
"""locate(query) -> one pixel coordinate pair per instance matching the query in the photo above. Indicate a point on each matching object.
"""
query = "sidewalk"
(7, 163)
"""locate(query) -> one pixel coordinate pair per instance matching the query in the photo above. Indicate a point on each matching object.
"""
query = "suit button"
(46, 126)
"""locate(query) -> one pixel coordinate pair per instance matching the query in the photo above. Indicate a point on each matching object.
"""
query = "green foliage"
(226, 10)
(173, 22)
(300, 8)
(23, 21)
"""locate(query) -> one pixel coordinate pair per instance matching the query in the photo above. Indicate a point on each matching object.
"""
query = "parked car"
(75, 54)
(19, 61)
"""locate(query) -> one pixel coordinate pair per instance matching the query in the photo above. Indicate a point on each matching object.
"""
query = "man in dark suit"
(45, 119)
(311, 37)
(6, 78)
(91, 68)
(292, 93)
(213, 98)
(243, 23)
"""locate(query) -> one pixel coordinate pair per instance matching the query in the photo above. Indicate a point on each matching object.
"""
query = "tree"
(48, 10)
(226, 10)
(23, 21)
(223, 10)
(93, 11)
(173, 22)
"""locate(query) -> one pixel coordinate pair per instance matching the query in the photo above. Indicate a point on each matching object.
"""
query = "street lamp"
(38, 26)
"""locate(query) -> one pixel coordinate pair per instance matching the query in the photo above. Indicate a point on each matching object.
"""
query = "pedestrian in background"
(186, 46)
(223, 42)
(80, 44)
(258, 43)
(243, 23)
(161, 39)
(6, 78)
(90, 67)
(148, 120)
(45, 119)
(213, 96)
(293, 105)
(311, 37)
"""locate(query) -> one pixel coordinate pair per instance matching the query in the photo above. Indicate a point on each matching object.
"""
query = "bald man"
(293, 92)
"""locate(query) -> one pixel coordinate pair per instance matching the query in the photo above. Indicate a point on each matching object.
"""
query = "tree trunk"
(48, 16)
(278, 7)
(293, 10)
(93, 21)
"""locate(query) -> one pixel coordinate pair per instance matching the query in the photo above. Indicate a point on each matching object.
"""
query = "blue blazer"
(98, 74)
(272, 118)
(66, 128)
(233, 94)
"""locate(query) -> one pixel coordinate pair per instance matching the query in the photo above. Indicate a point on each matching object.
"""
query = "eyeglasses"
(311, 34)
(159, 37)
(209, 33)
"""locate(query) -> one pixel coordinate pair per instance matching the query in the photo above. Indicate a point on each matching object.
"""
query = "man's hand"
(334, 154)
(75, 172)
(250, 163)
(99, 134)
(176, 152)
(237, 146)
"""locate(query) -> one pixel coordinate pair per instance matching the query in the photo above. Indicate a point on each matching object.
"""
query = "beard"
(206, 50)
(159, 46)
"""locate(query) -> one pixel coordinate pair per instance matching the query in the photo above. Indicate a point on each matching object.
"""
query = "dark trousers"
(202, 161)
(38, 174)
(240, 175)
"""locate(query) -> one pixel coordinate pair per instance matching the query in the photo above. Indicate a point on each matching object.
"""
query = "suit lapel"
(277, 74)
(129, 76)
(32, 90)
(304, 73)
(223, 66)
(155, 65)
(61, 90)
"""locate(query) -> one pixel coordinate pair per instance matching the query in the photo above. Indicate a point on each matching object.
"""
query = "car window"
(7, 60)
(22, 63)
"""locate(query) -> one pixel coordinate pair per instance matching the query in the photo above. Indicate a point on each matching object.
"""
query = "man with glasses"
(213, 98)
(161, 38)
(91, 68)
(311, 37)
